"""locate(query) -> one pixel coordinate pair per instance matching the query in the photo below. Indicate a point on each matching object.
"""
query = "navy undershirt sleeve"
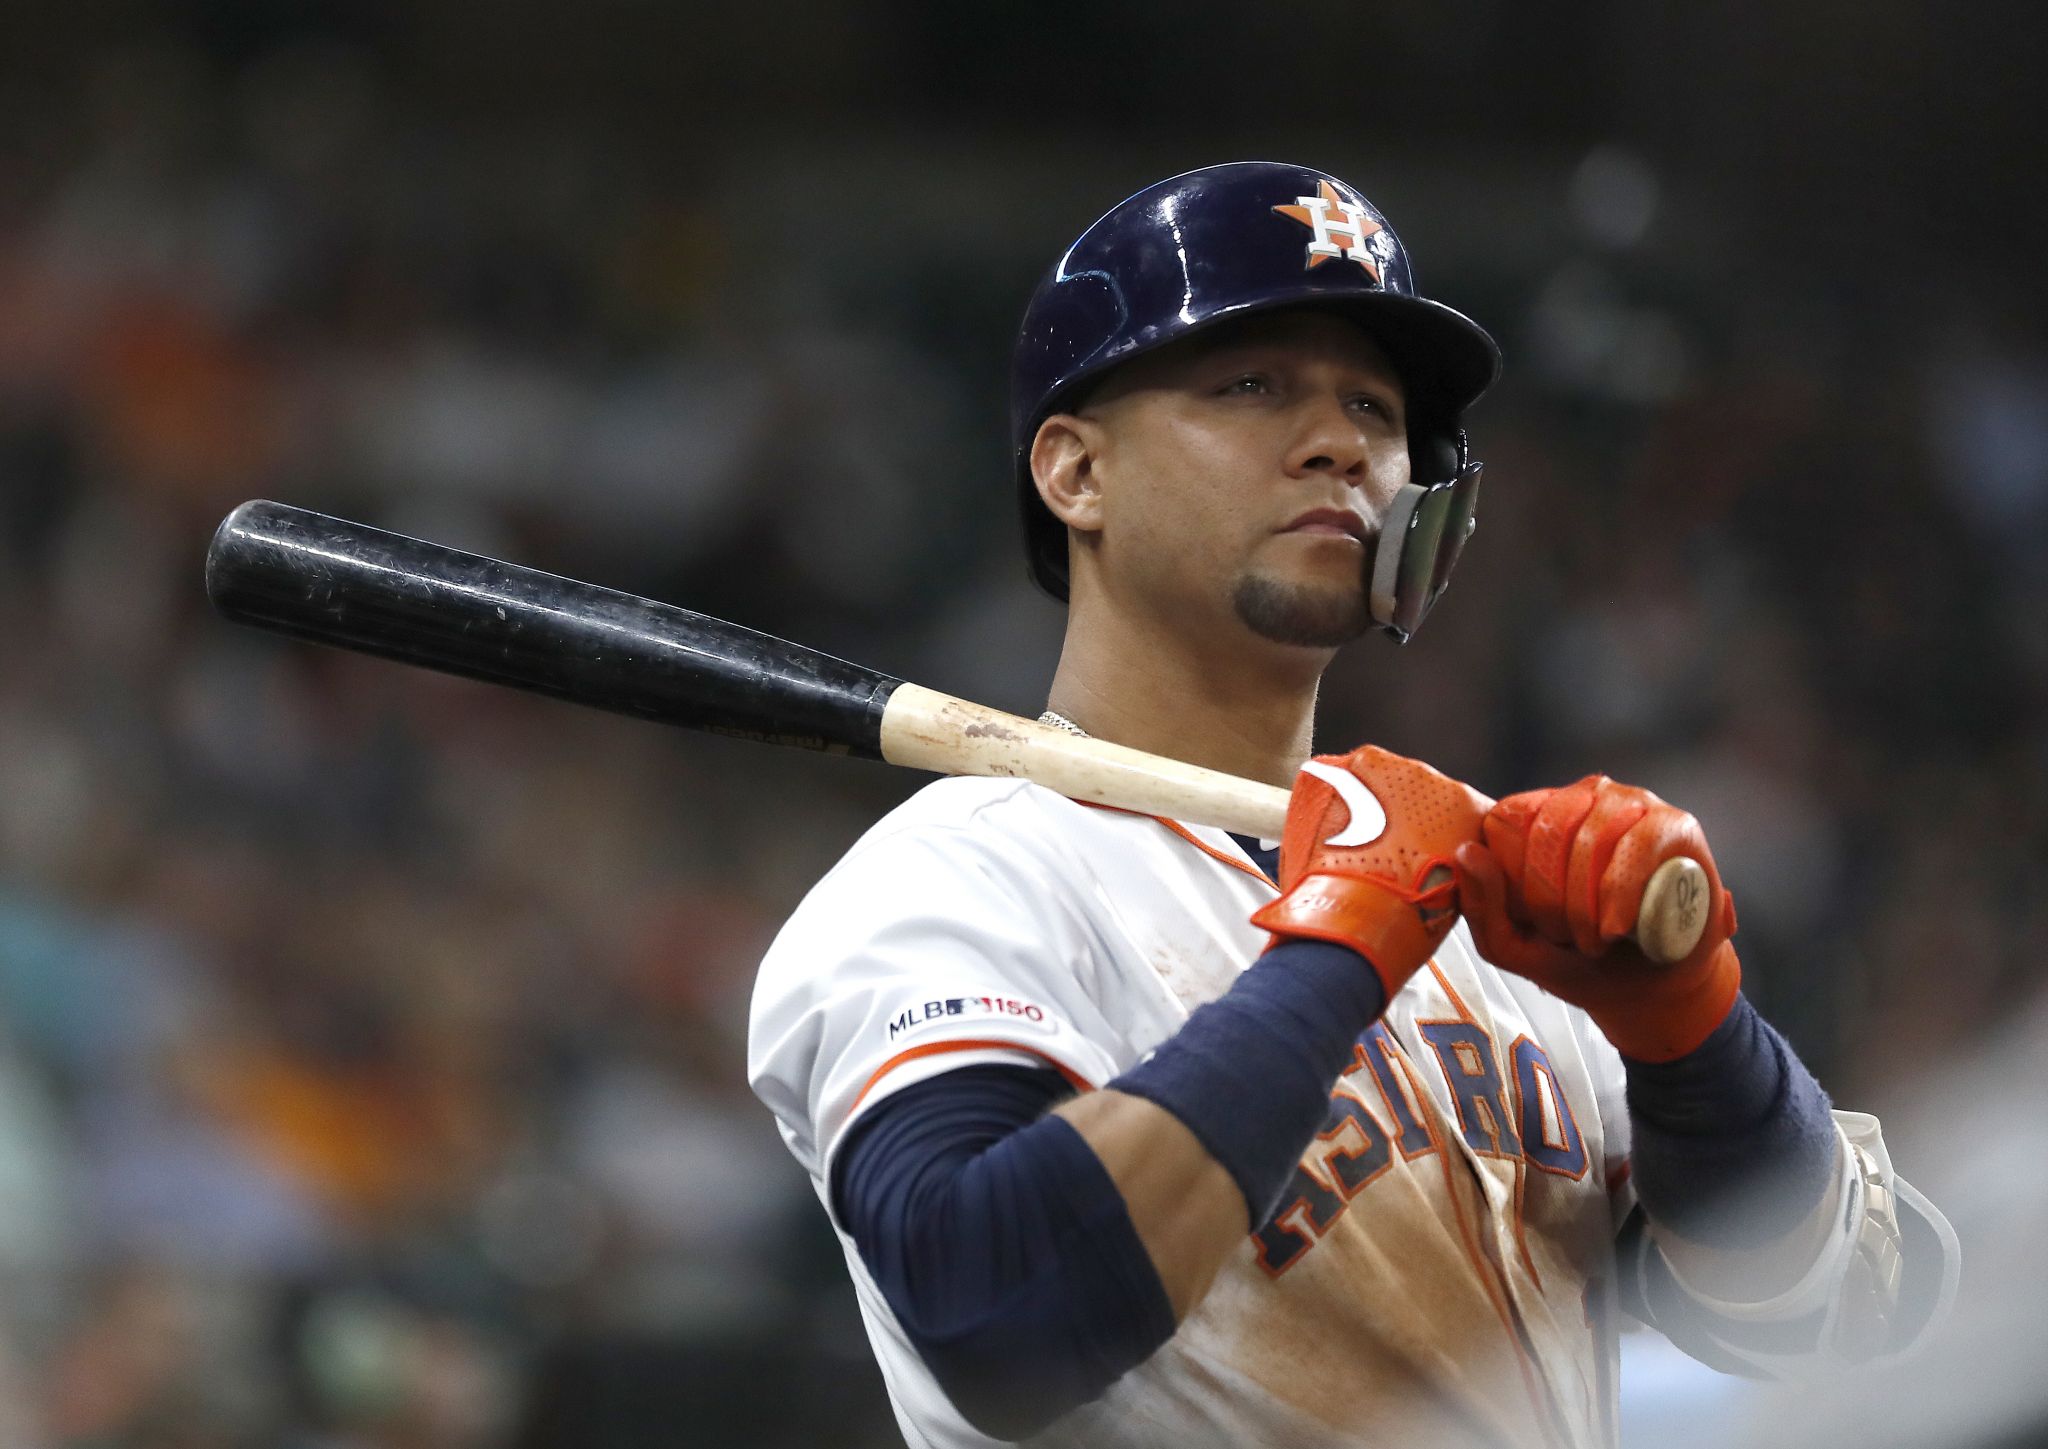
(1734, 1144)
(1001, 1245)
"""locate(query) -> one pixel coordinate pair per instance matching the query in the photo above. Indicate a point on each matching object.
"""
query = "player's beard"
(1312, 616)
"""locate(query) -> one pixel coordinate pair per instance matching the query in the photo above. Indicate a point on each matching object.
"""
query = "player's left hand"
(1554, 893)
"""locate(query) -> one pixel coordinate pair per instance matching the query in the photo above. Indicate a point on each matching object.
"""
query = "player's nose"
(1328, 439)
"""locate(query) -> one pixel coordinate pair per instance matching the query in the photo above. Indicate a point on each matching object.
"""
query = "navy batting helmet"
(1222, 242)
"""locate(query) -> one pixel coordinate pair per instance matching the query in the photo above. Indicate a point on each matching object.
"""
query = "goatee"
(1301, 614)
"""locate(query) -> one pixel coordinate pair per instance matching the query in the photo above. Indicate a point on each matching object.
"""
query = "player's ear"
(1063, 455)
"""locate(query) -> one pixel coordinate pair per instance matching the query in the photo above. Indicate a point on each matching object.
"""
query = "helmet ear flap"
(1435, 453)
(1421, 537)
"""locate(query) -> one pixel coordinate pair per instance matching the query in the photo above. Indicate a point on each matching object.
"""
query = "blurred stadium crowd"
(370, 1044)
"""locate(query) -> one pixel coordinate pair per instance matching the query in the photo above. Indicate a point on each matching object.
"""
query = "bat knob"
(1674, 910)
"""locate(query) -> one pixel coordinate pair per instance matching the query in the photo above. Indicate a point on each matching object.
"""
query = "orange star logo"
(1344, 235)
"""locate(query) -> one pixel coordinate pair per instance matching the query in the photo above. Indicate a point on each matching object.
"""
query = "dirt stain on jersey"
(1194, 977)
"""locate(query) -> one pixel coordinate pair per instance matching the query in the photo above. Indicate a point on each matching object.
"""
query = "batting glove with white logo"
(1366, 858)
(1554, 893)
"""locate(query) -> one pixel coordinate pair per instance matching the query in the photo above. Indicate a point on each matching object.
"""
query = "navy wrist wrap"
(1250, 1073)
(1734, 1144)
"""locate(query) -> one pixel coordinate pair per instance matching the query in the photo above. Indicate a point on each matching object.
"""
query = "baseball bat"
(311, 576)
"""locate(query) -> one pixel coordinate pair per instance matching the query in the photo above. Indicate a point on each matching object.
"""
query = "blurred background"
(371, 1044)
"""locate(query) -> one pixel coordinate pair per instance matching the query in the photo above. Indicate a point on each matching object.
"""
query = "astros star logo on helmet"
(1348, 234)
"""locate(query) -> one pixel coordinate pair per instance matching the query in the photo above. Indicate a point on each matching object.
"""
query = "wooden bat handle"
(927, 730)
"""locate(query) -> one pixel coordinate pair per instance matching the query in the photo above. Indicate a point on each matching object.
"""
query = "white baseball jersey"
(1443, 1271)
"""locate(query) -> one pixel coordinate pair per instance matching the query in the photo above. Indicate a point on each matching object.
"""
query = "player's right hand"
(1366, 859)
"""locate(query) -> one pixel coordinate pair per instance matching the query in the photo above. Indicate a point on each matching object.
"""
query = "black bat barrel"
(315, 577)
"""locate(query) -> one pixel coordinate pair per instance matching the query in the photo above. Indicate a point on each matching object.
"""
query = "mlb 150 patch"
(957, 1010)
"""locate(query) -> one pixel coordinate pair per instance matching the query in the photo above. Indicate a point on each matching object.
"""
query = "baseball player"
(1138, 1133)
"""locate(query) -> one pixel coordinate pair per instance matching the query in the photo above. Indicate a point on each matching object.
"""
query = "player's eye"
(1247, 384)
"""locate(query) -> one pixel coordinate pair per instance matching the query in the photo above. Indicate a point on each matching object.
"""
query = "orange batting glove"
(1366, 858)
(1554, 893)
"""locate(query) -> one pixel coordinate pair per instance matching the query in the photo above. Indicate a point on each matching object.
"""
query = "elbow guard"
(1884, 1278)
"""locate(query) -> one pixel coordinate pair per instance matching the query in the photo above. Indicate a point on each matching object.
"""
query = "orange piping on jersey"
(1513, 1103)
(1488, 1275)
(1457, 1001)
(1521, 1110)
(1521, 1242)
(1192, 839)
(935, 1048)
(1213, 853)
(1522, 1163)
